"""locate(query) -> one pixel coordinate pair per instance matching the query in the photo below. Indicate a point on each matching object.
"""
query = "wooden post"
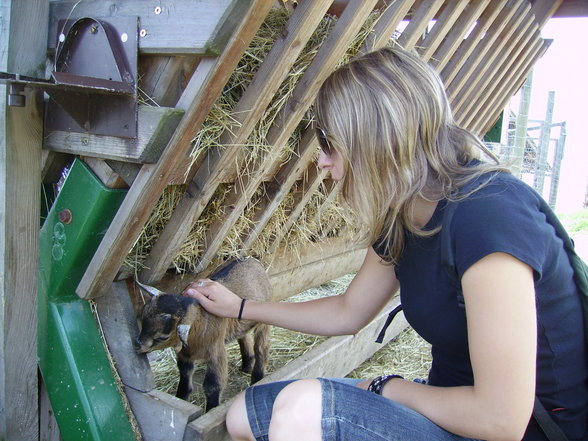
(23, 30)
(521, 128)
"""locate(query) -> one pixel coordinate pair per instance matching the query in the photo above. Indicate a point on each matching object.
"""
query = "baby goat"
(173, 320)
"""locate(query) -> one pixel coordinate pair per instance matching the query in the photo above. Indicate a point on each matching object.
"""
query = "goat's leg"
(246, 348)
(186, 368)
(216, 375)
(261, 349)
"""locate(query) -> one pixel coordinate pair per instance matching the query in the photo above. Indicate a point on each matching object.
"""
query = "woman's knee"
(297, 412)
(237, 420)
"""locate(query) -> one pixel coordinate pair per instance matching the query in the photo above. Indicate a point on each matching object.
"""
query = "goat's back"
(249, 280)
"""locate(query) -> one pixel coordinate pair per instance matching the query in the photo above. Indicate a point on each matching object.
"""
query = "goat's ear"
(151, 290)
(183, 331)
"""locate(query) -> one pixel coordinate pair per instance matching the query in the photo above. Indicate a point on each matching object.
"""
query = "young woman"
(387, 133)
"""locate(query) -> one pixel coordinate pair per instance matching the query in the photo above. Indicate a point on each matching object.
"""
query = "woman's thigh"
(349, 414)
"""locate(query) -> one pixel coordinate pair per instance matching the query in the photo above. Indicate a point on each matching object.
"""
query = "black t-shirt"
(503, 216)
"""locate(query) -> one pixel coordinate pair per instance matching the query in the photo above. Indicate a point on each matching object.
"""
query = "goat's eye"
(160, 338)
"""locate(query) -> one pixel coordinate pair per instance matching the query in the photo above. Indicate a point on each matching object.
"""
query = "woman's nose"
(324, 162)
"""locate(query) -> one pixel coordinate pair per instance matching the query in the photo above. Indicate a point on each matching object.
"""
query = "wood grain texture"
(20, 181)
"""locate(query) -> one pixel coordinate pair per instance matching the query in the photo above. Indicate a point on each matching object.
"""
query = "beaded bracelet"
(378, 383)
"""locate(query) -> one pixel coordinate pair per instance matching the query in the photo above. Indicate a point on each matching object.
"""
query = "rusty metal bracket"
(93, 87)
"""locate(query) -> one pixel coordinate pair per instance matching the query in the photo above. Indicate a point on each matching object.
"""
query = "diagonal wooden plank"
(544, 9)
(247, 112)
(503, 90)
(291, 172)
(386, 25)
(511, 88)
(489, 111)
(495, 15)
(206, 83)
(500, 67)
(457, 34)
(494, 38)
(286, 178)
(499, 53)
(419, 22)
(163, 78)
(312, 182)
(381, 35)
(326, 59)
(443, 24)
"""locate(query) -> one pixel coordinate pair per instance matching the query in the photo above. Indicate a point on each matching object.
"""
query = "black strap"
(550, 428)
(391, 316)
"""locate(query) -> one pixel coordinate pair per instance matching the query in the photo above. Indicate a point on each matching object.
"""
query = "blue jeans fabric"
(349, 414)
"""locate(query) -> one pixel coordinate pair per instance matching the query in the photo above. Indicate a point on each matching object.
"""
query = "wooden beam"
(164, 78)
(300, 100)
(205, 86)
(498, 60)
(419, 22)
(291, 273)
(21, 130)
(386, 25)
(155, 127)
(497, 12)
(508, 87)
(314, 179)
(514, 85)
(247, 113)
(545, 9)
(444, 23)
(167, 26)
(456, 36)
(494, 77)
(285, 179)
(495, 38)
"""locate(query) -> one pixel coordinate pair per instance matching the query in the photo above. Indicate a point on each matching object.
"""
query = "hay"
(322, 216)
(117, 379)
(407, 355)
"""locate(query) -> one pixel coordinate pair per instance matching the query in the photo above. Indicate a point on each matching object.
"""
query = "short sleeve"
(503, 216)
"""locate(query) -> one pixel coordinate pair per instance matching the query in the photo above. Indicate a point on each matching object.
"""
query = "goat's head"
(162, 320)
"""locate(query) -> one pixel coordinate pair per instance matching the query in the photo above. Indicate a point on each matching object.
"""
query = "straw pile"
(322, 216)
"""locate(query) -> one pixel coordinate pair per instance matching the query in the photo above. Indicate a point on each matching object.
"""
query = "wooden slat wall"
(481, 48)
(203, 89)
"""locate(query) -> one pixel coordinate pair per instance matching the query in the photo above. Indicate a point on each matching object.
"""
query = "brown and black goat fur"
(173, 320)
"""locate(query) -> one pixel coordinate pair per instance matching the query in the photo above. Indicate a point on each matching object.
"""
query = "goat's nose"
(138, 346)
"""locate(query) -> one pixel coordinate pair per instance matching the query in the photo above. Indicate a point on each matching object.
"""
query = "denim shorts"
(349, 414)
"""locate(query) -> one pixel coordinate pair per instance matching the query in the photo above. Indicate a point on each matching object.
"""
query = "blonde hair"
(388, 116)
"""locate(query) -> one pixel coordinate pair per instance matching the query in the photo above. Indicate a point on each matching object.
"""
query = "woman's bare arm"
(371, 288)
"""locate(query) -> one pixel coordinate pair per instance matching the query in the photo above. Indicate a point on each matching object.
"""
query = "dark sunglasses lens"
(323, 142)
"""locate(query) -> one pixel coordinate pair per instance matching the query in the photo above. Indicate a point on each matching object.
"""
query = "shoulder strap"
(578, 265)
(551, 430)
(447, 251)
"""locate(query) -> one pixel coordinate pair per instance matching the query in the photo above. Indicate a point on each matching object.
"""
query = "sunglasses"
(323, 141)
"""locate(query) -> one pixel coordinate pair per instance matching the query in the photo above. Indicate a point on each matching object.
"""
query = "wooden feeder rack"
(101, 57)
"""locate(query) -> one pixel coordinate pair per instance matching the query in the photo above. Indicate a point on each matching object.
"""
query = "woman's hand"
(214, 297)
